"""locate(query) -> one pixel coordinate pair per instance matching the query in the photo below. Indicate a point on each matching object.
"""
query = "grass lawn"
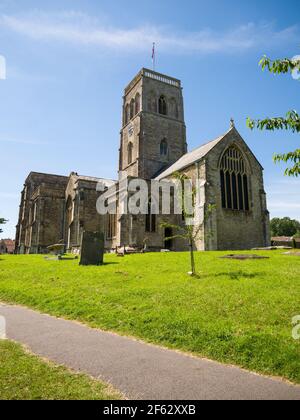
(26, 377)
(238, 312)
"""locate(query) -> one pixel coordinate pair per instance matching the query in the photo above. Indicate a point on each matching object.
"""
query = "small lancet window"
(127, 115)
(164, 148)
(130, 153)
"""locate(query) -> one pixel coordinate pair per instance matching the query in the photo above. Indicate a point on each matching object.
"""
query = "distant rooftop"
(47, 174)
(107, 182)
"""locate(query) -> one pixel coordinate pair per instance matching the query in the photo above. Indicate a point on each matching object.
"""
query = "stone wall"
(41, 212)
(237, 230)
(81, 211)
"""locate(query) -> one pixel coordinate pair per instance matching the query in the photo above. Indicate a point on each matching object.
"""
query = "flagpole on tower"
(153, 56)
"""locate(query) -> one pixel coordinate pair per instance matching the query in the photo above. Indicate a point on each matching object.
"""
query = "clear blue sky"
(68, 62)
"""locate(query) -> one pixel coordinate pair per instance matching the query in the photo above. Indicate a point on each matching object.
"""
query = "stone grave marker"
(92, 248)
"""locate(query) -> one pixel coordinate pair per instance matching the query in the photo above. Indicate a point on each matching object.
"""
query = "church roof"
(106, 182)
(191, 157)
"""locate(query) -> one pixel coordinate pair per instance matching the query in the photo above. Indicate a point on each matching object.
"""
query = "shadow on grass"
(110, 263)
(238, 275)
(199, 276)
(100, 265)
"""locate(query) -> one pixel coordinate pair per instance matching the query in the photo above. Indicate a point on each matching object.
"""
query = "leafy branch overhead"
(2, 222)
(280, 66)
(290, 122)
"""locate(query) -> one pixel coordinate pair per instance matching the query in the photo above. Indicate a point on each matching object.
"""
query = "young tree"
(290, 122)
(2, 222)
(188, 230)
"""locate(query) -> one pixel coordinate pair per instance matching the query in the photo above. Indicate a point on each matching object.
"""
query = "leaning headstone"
(92, 248)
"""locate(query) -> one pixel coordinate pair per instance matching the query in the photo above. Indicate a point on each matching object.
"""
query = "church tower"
(153, 135)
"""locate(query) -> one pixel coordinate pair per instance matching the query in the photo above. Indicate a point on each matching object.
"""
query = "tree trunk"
(193, 266)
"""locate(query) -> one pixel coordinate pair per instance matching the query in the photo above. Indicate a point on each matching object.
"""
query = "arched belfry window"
(162, 105)
(132, 108)
(173, 109)
(130, 153)
(164, 148)
(127, 114)
(137, 103)
(234, 181)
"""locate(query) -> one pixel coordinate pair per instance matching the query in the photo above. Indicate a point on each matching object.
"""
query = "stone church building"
(58, 209)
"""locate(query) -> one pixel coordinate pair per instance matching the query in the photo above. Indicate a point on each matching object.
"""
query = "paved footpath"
(139, 370)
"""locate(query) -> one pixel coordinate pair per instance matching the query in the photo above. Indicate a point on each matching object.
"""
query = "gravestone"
(92, 248)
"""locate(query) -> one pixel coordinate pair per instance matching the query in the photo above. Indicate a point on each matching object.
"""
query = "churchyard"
(237, 312)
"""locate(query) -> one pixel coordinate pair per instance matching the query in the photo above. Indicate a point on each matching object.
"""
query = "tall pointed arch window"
(132, 108)
(126, 114)
(162, 105)
(234, 181)
(137, 103)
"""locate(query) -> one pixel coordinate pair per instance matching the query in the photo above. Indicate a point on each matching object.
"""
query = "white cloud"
(9, 196)
(284, 205)
(2, 68)
(5, 139)
(82, 30)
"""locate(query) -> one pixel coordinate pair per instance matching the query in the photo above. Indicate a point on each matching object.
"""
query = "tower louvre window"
(234, 181)
(132, 108)
(162, 106)
(127, 114)
(137, 103)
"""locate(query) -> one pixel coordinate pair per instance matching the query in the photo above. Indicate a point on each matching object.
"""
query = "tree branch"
(290, 122)
(279, 66)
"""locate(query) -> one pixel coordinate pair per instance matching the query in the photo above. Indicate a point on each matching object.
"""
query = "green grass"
(238, 312)
(26, 377)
